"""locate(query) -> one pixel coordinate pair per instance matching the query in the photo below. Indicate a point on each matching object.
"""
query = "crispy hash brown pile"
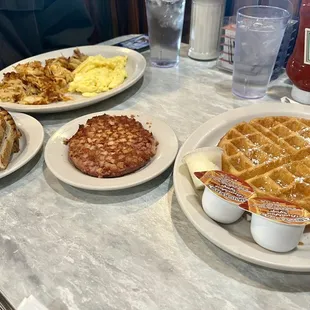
(111, 146)
(35, 84)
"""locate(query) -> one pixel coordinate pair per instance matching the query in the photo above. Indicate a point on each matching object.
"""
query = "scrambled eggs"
(98, 74)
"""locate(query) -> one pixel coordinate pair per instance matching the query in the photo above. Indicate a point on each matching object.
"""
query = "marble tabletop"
(132, 249)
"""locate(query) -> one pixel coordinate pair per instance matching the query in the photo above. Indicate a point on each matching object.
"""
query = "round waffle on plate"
(273, 155)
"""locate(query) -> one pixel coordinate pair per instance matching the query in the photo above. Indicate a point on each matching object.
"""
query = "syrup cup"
(218, 209)
(277, 225)
(275, 236)
(223, 194)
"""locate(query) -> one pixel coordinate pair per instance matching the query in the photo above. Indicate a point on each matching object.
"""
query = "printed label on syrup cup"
(277, 210)
(226, 186)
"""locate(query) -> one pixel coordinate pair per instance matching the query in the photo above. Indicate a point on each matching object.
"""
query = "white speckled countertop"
(132, 249)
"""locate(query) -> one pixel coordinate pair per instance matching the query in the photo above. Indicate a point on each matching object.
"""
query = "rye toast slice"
(2, 129)
(9, 138)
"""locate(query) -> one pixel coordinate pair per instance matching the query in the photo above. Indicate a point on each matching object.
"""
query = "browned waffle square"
(273, 155)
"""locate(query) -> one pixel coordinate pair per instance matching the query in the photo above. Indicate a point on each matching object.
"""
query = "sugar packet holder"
(276, 225)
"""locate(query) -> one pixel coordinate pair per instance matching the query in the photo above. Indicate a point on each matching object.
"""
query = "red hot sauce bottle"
(298, 66)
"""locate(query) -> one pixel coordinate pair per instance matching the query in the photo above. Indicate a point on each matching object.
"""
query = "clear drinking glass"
(259, 34)
(165, 22)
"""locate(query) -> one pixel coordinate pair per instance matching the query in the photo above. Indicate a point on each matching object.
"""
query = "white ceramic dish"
(135, 67)
(56, 155)
(30, 142)
(236, 238)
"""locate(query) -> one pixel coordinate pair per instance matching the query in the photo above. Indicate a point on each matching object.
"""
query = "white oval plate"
(30, 142)
(236, 238)
(135, 67)
(56, 155)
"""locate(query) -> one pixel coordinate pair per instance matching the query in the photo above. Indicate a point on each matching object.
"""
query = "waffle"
(111, 146)
(273, 155)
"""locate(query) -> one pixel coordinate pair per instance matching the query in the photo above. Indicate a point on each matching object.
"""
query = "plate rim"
(46, 109)
(111, 188)
(284, 108)
(39, 143)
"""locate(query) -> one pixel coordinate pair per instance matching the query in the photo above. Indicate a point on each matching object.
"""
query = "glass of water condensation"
(259, 34)
(165, 22)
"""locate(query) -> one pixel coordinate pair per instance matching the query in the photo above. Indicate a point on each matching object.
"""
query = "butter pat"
(203, 159)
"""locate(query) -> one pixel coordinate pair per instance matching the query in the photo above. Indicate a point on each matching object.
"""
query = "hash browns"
(111, 146)
(35, 84)
(9, 138)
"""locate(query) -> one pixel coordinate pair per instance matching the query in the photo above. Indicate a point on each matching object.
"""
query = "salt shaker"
(206, 23)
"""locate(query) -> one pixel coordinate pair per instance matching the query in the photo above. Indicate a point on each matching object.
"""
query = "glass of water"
(165, 22)
(259, 34)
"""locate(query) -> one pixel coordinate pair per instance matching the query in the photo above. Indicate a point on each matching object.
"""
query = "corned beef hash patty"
(111, 146)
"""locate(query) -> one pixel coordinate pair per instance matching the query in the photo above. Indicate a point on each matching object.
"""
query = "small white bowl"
(275, 236)
(218, 209)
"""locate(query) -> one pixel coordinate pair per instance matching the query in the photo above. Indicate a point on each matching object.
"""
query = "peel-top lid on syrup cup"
(277, 210)
(226, 186)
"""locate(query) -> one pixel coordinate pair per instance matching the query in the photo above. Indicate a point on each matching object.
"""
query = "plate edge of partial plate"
(37, 150)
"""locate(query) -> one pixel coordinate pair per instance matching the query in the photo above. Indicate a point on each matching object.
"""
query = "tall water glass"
(165, 22)
(259, 34)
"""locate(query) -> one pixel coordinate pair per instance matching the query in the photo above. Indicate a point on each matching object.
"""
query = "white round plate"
(135, 67)
(56, 155)
(236, 238)
(30, 142)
